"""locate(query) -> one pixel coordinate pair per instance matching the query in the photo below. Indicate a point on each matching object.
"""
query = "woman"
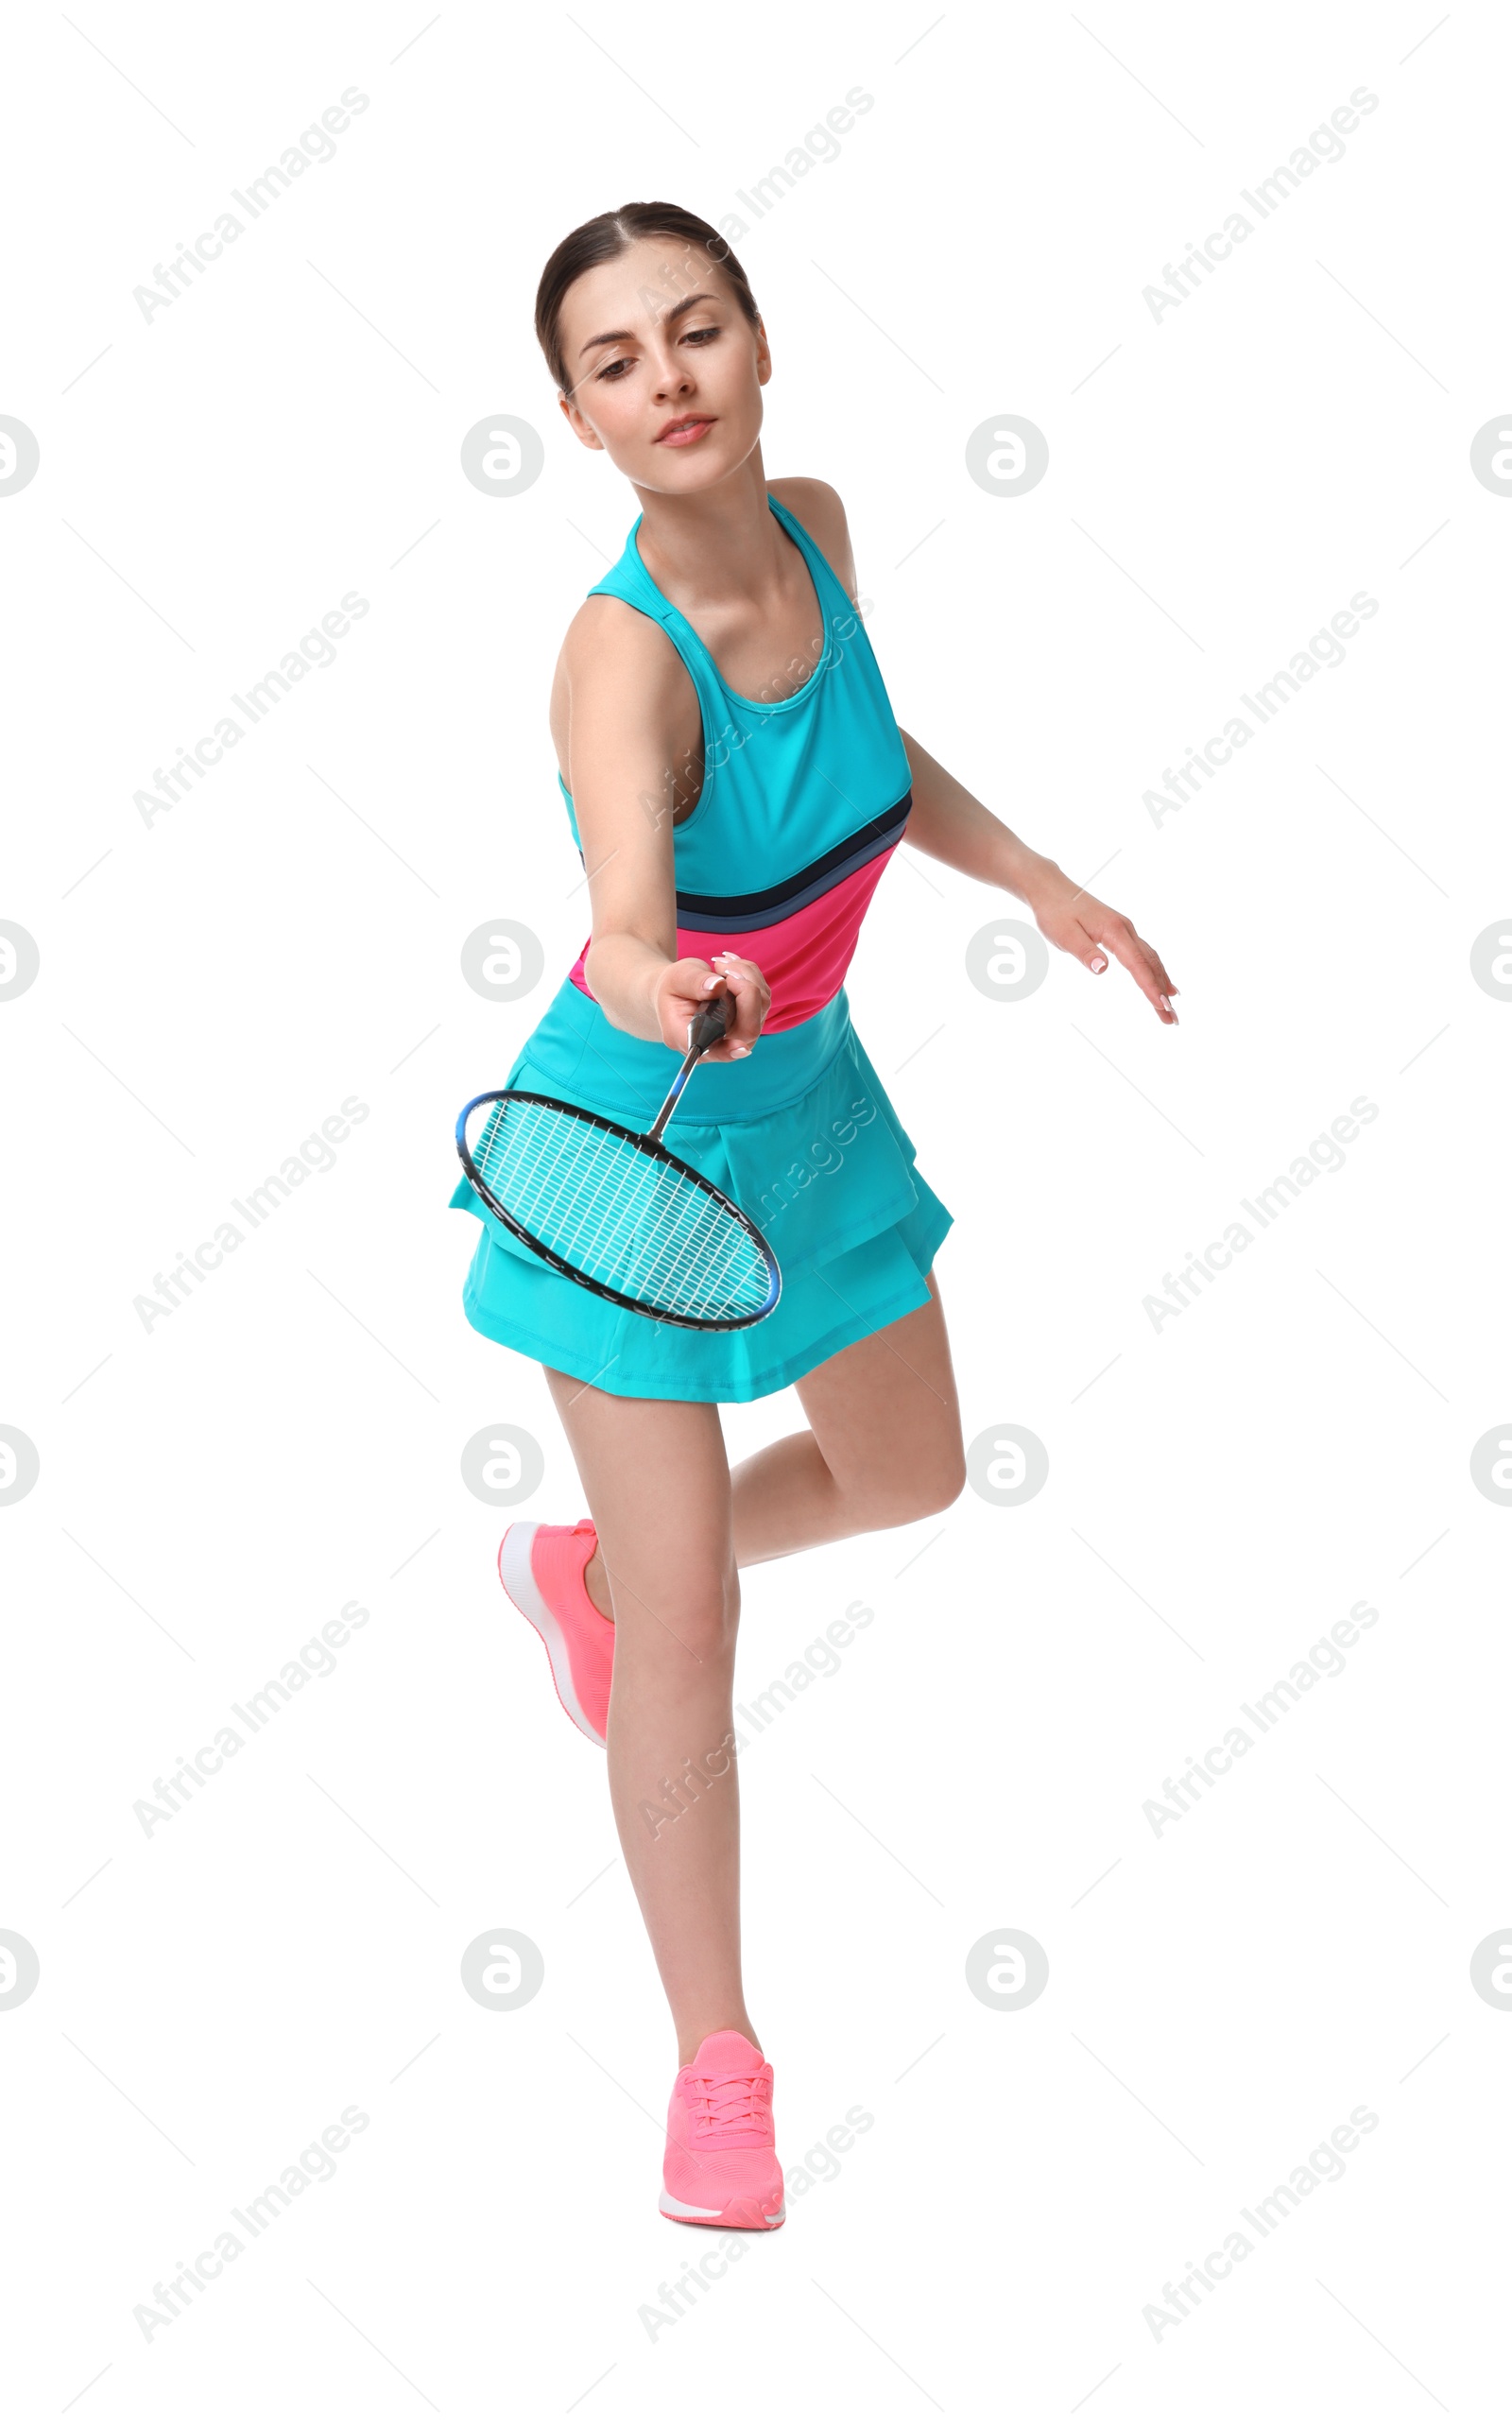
(736, 783)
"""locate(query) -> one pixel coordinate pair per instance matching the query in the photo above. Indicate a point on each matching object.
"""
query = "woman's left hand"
(1080, 924)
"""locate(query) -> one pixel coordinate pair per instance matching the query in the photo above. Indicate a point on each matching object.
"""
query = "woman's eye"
(696, 337)
(612, 371)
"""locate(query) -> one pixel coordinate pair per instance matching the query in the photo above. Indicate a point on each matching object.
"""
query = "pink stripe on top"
(803, 958)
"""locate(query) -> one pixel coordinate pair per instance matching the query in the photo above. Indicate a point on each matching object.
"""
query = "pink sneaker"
(541, 1568)
(721, 2163)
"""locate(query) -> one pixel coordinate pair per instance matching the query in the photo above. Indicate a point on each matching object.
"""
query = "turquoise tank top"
(804, 800)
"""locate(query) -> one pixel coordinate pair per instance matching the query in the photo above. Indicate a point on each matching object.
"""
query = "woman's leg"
(658, 1485)
(885, 1448)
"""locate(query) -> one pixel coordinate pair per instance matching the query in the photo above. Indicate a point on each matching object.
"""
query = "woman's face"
(665, 370)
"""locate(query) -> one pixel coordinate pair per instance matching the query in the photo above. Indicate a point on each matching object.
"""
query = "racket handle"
(709, 1026)
(706, 1029)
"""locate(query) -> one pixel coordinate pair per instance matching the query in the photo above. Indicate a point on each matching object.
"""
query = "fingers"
(1116, 934)
(751, 999)
(1159, 967)
(1163, 988)
(681, 991)
(686, 986)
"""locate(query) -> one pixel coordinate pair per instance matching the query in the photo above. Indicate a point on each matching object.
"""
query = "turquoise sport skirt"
(801, 1136)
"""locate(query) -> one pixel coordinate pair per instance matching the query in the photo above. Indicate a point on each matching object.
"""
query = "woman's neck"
(722, 543)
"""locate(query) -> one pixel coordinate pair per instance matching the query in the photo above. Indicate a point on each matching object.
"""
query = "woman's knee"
(920, 1487)
(931, 1494)
(950, 1483)
(699, 1614)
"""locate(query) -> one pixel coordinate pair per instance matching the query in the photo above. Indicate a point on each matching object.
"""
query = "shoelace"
(725, 2101)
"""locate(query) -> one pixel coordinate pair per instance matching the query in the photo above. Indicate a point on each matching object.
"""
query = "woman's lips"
(684, 434)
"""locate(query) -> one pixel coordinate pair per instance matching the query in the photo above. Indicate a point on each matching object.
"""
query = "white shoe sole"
(671, 2206)
(684, 2214)
(517, 1579)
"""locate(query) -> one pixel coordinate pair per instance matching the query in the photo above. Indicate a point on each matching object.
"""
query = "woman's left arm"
(950, 824)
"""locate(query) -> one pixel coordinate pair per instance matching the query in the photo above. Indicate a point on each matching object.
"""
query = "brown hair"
(603, 240)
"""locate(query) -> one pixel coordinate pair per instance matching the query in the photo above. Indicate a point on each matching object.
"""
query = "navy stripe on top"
(734, 912)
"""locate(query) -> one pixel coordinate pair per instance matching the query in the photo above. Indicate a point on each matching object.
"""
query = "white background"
(1221, 1492)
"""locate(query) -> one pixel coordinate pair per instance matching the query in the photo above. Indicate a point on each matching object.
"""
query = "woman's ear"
(578, 425)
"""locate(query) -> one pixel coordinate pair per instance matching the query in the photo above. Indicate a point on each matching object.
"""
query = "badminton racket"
(615, 1211)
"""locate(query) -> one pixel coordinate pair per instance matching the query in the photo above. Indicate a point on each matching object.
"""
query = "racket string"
(556, 1184)
(623, 1217)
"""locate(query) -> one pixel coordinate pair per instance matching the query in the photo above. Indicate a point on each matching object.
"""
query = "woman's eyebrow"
(627, 337)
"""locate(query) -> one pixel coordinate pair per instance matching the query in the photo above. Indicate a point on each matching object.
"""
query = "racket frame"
(649, 1145)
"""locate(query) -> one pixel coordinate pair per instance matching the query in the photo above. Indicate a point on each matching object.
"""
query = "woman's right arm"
(626, 696)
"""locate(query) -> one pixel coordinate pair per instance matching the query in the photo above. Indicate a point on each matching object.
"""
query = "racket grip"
(709, 1026)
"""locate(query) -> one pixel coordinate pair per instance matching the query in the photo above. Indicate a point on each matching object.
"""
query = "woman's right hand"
(685, 988)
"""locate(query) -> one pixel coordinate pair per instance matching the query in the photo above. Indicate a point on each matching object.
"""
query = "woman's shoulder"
(608, 634)
(820, 510)
(616, 662)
